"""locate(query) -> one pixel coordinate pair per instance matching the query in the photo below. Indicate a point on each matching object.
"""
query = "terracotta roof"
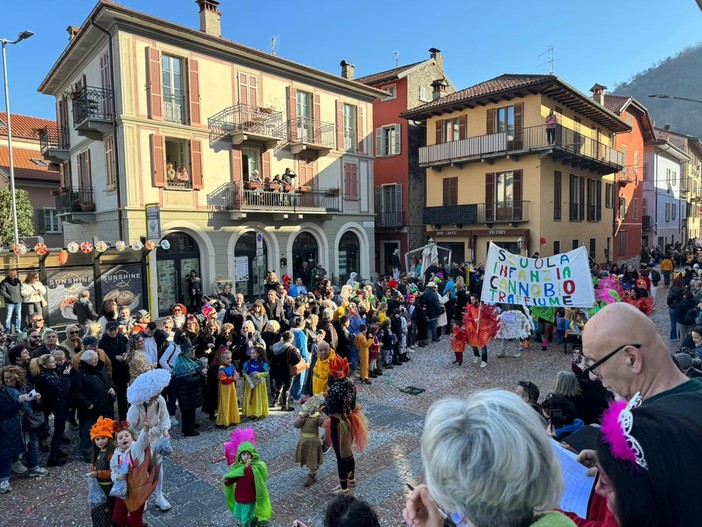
(509, 86)
(24, 125)
(385, 76)
(615, 103)
(25, 168)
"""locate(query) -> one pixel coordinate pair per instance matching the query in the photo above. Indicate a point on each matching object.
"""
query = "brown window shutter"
(243, 88)
(517, 195)
(446, 198)
(518, 124)
(359, 131)
(582, 199)
(316, 118)
(158, 161)
(253, 91)
(339, 125)
(454, 191)
(557, 194)
(292, 113)
(462, 126)
(237, 173)
(598, 200)
(490, 128)
(266, 164)
(155, 92)
(194, 91)
(196, 163)
(489, 196)
(439, 131)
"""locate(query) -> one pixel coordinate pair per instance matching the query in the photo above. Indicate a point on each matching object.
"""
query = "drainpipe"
(114, 125)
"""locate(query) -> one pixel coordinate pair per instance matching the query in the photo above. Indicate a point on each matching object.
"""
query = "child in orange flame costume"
(480, 325)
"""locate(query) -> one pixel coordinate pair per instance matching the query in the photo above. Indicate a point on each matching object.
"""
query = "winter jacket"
(54, 388)
(89, 386)
(433, 304)
(114, 347)
(84, 311)
(11, 443)
(259, 322)
(11, 290)
(331, 338)
(189, 389)
(33, 293)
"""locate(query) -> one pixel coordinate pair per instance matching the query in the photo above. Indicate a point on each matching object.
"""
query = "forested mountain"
(679, 76)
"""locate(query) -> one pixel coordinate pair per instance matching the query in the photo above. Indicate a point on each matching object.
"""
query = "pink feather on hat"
(613, 434)
(237, 437)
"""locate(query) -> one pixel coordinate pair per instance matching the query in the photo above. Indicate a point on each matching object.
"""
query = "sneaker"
(174, 420)
(500, 355)
(483, 364)
(37, 472)
(162, 503)
(327, 449)
(476, 360)
(517, 355)
(338, 491)
(18, 467)
(5, 487)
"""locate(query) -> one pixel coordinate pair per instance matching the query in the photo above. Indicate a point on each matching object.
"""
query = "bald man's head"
(639, 360)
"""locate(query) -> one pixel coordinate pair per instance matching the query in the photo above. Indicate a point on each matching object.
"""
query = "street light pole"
(664, 96)
(22, 36)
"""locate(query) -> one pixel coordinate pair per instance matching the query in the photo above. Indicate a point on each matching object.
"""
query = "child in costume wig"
(101, 434)
(245, 483)
(346, 425)
(134, 458)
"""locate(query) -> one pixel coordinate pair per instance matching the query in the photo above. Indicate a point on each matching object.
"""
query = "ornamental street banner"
(562, 280)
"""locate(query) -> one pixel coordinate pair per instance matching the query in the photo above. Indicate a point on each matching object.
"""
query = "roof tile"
(27, 169)
(24, 125)
(387, 75)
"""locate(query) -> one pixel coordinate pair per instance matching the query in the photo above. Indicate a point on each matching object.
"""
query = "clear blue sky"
(605, 41)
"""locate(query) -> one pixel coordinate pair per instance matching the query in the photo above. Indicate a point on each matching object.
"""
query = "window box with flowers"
(332, 192)
(305, 188)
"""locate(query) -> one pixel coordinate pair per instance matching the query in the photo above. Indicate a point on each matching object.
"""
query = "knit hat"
(142, 313)
(392, 283)
(89, 340)
(112, 324)
(103, 427)
(88, 355)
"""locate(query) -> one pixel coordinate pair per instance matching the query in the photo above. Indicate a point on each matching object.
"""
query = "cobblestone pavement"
(192, 480)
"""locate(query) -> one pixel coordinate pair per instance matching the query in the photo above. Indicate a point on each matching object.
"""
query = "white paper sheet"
(577, 486)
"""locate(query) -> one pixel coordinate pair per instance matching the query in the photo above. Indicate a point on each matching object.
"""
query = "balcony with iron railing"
(92, 111)
(243, 122)
(174, 109)
(567, 146)
(646, 221)
(75, 200)
(303, 133)
(388, 206)
(477, 213)
(248, 198)
(54, 143)
(389, 220)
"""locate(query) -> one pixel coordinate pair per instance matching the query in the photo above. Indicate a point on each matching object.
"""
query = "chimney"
(437, 56)
(348, 70)
(72, 32)
(438, 89)
(598, 93)
(209, 17)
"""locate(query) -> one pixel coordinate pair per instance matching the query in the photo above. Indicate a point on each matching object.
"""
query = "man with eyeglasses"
(73, 343)
(50, 344)
(622, 348)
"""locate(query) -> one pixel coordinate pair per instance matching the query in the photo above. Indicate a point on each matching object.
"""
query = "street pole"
(22, 36)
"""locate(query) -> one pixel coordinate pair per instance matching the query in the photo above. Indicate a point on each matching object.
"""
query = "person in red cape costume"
(480, 325)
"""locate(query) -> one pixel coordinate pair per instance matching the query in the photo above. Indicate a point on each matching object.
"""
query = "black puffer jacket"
(54, 389)
(89, 385)
(189, 389)
(113, 347)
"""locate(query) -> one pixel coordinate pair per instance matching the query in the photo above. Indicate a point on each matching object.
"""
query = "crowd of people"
(298, 349)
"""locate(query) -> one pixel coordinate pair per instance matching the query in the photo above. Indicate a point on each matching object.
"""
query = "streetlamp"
(22, 36)
(664, 96)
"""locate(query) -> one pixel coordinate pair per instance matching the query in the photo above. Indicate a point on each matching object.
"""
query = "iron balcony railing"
(646, 221)
(309, 131)
(179, 183)
(56, 137)
(493, 212)
(534, 138)
(312, 200)
(388, 206)
(246, 118)
(92, 103)
(76, 199)
(389, 219)
(174, 109)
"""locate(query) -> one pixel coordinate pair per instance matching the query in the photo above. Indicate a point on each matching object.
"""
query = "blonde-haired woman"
(488, 459)
(33, 292)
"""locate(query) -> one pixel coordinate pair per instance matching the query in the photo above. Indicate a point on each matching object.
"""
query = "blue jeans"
(666, 277)
(433, 324)
(482, 353)
(17, 310)
(297, 384)
(354, 356)
(673, 324)
(32, 453)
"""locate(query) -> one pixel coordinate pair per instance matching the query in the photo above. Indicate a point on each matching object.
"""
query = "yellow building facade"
(498, 172)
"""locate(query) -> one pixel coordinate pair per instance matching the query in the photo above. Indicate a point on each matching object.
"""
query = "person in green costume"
(245, 487)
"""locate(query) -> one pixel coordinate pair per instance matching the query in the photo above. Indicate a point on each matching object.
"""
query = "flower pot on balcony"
(274, 187)
(266, 110)
(87, 206)
(305, 188)
(254, 186)
(333, 192)
(288, 188)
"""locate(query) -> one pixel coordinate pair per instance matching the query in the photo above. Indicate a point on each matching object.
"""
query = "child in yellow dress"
(255, 371)
(227, 402)
(309, 446)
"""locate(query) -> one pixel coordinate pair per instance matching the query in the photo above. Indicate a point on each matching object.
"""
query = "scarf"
(184, 364)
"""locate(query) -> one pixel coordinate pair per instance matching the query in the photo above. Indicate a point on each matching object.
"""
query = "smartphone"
(32, 395)
(557, 417)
